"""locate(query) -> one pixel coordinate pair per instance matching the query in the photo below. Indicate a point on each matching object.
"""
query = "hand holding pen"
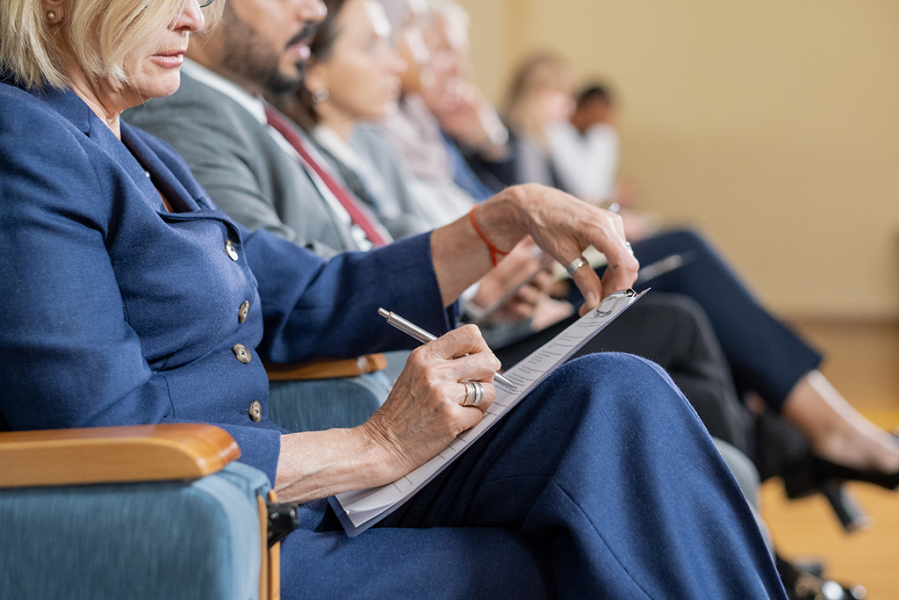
(433, 401)
(474, 392)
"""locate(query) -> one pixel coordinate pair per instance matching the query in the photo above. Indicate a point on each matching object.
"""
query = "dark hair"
(595, 91)
(320, 48)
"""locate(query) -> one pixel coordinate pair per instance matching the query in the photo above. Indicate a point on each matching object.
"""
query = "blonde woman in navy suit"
(130, 298)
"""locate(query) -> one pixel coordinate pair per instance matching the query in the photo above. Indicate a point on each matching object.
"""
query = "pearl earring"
(320, 95)
(51, 15)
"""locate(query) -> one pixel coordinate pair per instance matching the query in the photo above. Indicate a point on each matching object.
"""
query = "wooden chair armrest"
(327, 368)
(113, 454)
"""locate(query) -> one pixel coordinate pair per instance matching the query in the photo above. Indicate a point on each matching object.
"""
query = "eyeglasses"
(206, 3)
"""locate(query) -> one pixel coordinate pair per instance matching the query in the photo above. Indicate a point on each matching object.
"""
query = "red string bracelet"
(493, 249)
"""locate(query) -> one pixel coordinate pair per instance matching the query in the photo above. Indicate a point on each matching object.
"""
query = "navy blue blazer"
(115, 311)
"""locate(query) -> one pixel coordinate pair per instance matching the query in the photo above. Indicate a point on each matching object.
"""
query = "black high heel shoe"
(782, 450)
(824, 469)
(804, 477)
(829, 478)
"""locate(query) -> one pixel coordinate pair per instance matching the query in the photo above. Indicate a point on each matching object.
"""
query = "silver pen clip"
(616, 299)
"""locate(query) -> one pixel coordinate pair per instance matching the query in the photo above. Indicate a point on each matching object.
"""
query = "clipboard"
(360, 509)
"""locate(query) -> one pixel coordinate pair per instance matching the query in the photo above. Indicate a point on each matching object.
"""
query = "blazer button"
(243, 311)
(230, 250)
(242, 354)
(255, 411)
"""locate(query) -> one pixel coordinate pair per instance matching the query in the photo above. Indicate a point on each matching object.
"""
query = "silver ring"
(574, 265)
(474, 393)
(629, 249)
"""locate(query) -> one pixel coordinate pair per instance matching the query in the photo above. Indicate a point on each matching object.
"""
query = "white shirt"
(586, 163)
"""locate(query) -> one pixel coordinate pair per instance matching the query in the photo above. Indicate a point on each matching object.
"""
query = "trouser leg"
(672, 331)
(764, 354)
(609, 465)
(320, 562)
(607, 483)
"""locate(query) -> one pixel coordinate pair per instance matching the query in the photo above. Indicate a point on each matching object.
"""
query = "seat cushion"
(191, 540)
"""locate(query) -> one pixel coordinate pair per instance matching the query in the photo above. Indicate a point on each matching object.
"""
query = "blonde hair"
(98, 35)
(536, 75)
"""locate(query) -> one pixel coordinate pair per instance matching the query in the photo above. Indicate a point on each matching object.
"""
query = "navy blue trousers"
(602, 483)
(765, 356)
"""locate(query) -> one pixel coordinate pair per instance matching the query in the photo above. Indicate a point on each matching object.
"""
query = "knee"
(624, 379)
(605, 364)
(627, 393)
(681, 309)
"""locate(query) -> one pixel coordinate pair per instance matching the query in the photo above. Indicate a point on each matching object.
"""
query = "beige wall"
(772, 125)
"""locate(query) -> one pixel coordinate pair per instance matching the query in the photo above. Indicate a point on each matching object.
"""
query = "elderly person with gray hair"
(130, 298)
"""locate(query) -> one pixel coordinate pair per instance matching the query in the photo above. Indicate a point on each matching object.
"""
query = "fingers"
(588, 282)
(544, 281)
(478, 395)
(529, 295)
(621, 272)
(466, 340)
(465, 357)
(435, 398)
(607, 236)
(564, 226)
(513, 311)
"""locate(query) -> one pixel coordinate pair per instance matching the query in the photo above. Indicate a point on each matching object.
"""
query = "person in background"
(437, 169)
(585, 147)
(586, 151)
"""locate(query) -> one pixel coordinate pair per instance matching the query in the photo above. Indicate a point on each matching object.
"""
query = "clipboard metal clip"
(615, 299)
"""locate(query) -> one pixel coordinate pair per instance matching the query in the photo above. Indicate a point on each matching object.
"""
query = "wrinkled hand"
(563, 227)
(560, 224)
(423, 412)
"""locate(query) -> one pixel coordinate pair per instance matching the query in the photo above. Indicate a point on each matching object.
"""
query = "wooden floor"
(863, 363)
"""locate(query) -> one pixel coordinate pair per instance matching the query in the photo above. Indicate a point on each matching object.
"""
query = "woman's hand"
(421, 416)
(424, 411)
(561, 225)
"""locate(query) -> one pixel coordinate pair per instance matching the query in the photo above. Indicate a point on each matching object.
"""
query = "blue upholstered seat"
(174, 539)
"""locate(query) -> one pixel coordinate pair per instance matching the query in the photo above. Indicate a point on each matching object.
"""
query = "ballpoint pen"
(424, 337)
(665, 265)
